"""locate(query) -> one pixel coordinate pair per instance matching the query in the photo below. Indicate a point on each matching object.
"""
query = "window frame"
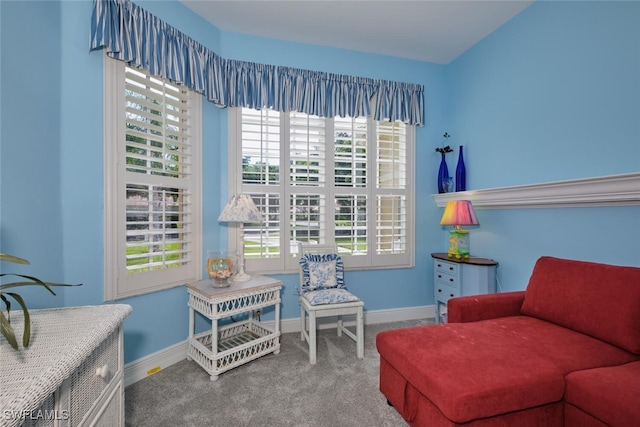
(289, 264)
(117, 283)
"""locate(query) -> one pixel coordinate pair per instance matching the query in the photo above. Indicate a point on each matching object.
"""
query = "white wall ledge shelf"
(611, 190)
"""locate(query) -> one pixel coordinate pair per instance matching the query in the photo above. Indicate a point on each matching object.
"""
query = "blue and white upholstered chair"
(323, 294)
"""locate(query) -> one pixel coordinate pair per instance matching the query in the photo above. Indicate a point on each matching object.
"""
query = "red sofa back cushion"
(599, 300)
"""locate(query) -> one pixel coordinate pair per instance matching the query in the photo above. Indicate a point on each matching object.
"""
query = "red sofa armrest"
(487, 306)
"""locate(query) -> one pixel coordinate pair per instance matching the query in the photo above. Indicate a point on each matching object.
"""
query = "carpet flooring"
(274, 390)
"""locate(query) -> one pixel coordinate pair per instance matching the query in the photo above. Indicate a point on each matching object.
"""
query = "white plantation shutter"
(307, 180)
(392, 192)
(307, 219)
(391, 155)
(349, 181)
(351, 192)
(152, 195)
(158, 228)
(261, 147)
(350, 139)
(307, 150)
(352, 224)
(262, 241)
(391, 225)
(261, 178)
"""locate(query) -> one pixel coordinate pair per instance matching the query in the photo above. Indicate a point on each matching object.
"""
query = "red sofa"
(566, 351)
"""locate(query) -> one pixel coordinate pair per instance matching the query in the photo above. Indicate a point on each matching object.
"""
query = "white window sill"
(611, 190)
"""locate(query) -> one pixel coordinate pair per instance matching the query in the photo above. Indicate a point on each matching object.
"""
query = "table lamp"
(457, 213)
(240, 209)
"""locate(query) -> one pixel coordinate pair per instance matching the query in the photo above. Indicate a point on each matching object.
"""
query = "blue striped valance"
(134, 35)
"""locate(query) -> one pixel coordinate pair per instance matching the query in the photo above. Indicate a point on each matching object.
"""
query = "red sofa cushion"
(609, 394)
(419, 411)
(491, 367)
(599, 300)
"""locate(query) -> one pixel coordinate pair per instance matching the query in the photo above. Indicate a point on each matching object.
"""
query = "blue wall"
(30, 186)
(62, 230)
(551, 95)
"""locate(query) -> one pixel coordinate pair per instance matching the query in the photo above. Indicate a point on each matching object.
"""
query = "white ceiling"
(426, 30)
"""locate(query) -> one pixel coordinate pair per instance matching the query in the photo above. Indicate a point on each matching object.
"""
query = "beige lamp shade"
(240, 208)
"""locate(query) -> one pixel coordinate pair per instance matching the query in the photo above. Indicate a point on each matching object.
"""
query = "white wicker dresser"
(71, 374)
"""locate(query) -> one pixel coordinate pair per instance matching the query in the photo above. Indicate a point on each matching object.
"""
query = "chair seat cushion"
(329, 296)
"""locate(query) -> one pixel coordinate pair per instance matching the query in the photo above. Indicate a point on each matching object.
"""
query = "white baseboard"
(155, 362)
(149, 365)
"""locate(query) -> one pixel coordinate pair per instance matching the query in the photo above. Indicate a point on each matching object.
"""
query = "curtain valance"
(132, 34)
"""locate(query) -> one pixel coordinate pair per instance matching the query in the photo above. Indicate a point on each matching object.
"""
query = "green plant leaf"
(5, 321)
(14, 259)
(26, 335)
(7, 304)
(34, 281)
(7, 331)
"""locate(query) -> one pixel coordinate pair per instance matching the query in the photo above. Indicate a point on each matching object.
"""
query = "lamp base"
(458, 244)
(241, 277)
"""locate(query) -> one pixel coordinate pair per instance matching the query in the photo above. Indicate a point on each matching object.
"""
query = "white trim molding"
(611, 190)
(155, 362)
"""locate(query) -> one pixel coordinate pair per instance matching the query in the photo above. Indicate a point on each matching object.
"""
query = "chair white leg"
(312, 338)
(302, 323)
(340, 326)
(360, 334)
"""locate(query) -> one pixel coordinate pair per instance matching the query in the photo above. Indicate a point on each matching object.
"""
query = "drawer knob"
(439, 290)
(450, 268)
(439, 276)
(103, 372)
(451, 280)
(451, 295)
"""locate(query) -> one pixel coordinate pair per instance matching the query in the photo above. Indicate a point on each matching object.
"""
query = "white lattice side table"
(224, 348)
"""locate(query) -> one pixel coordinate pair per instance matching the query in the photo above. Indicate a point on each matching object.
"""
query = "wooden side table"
(224, 348)
(454, 277)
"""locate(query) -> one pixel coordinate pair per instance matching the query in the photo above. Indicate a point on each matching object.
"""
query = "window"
(152, 182)
(348, 180)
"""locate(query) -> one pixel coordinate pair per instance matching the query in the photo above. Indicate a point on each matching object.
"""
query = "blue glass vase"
(443, 175)
(461, 173)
